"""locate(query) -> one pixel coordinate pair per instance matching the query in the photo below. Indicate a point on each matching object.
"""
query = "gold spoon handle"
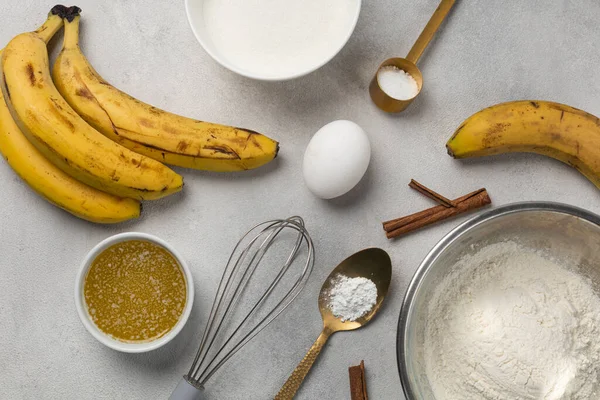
(430, 29)
(291, 386)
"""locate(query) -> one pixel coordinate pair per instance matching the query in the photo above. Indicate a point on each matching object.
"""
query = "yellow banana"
(53, 184)
(56, 130)
(147, 130)
(552, 129)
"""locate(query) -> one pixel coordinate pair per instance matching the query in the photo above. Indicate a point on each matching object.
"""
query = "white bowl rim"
(248, 74)
(91, 326)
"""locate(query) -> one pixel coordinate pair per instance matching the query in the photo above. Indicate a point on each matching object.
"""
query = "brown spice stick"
(471, 201)
(431, 194)
(399, 222)
(358, 383)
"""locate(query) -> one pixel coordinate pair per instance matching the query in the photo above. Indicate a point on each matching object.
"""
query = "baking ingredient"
(469, 202)
(147, 130)
(552, 129)
(56, 130)
(358, 382)
(336, 159)
(424, 190)
(135, 291)
(397, 83)
(53, 184)
(348, 298)
(508, 323)
(351, 298)
(278, 38)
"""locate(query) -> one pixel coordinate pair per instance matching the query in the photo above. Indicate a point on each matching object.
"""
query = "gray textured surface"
(488, 52)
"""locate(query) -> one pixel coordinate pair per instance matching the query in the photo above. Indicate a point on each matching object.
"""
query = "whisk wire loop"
(235, 279)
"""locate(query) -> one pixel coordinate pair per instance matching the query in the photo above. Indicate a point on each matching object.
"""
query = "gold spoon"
(409, 64)
(374, 264)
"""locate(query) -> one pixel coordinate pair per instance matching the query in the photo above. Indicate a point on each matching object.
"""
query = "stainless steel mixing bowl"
(564, 232)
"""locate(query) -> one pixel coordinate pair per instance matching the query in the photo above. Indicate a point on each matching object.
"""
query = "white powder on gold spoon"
(397, 83)
(351, 298)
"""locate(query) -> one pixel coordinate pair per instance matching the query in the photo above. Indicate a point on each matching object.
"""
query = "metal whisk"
(243, 263)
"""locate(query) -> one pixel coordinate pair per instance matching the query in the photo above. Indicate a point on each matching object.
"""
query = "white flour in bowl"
(509, 324)
(278, 37)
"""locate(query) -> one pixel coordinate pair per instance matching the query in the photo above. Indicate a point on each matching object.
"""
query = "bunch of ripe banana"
(93, 150)
(552, 129)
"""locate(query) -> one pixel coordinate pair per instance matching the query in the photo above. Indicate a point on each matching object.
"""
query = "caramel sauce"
(135, 291)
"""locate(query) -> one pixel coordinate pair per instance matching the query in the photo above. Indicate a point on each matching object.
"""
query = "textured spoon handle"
(291, 386)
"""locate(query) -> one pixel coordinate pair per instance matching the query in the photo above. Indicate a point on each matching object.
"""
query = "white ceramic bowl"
(82, 307)
(194, 10)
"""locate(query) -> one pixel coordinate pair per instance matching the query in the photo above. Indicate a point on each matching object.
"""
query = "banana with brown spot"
(63, 137)
(147, 130)
(52, 183)
(552, 129)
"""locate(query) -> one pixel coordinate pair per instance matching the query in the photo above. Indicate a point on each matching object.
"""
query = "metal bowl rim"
(447, 241)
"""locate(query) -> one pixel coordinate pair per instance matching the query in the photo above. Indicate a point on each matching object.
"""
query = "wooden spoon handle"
(291, 386)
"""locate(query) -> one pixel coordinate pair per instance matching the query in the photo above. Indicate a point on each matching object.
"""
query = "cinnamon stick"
(358, 383)
(469, 202)
(399, 222)
(431, 194)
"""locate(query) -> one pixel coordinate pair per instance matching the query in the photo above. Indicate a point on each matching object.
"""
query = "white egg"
(336, 159)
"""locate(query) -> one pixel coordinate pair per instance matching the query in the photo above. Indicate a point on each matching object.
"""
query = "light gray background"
(487, 52)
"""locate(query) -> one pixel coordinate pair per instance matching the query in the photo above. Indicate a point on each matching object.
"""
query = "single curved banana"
(61, 135)
(52, 183)
(147, 130)
(552, 129)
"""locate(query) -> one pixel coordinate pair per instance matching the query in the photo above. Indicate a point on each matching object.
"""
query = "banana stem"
(71, 32)
(50, 27)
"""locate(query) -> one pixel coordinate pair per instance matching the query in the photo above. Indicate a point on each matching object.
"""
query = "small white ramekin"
(82, 307)
(197, 25)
